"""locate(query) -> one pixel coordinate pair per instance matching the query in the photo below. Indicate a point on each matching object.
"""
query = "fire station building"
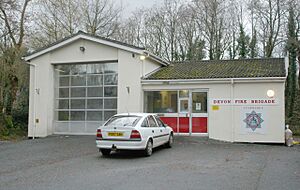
(78, 83)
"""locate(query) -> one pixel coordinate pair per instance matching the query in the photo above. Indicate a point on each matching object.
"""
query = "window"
(95, 92)
(63, 104)
(183, 93)
(110, 79)
(94, 104)
(78, 80)
(78, 92)
(110, 103)
(63, 93)
(160, 123)
(151, 122)
(145, 123)
(199, 102)
(123, 121)
(64, 81)
(94, 115)
(161, 102)
(86, 92)
(184, 105)
(95, 80)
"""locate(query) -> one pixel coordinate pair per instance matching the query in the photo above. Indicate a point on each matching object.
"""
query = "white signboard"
(198, 106)
(244, 102)
(252, 120)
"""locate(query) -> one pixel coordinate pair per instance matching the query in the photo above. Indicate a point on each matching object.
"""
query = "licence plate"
(115, 134)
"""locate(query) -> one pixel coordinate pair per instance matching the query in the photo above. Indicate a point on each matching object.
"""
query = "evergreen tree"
(243, 43)
(253, 45)
(291, 46)
(295, 120)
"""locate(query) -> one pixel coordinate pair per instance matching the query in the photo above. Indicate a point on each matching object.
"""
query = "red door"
(199, 125)
(199, 112)
(192, 113)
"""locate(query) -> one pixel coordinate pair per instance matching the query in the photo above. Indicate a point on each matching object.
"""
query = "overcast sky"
(131, 5)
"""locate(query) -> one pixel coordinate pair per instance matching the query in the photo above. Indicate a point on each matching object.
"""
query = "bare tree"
(190, 39)
(13, 19)
(14, 22)
(55, 19)
(131, 30)
(101, 17)
(212, 14)
(269, 18)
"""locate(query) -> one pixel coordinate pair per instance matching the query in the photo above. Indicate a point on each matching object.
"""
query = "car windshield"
(122, 121)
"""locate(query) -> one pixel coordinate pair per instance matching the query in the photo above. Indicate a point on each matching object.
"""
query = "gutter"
(156, 58)
(215, 80)
(34, 97)
(232, 109)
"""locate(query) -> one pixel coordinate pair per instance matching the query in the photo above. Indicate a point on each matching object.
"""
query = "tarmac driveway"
(60, 162)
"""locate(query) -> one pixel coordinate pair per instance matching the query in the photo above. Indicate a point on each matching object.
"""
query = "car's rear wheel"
(105, 152)
(171, 140)
(149, 147)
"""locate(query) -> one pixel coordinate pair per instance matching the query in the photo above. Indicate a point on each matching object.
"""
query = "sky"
(131, 5)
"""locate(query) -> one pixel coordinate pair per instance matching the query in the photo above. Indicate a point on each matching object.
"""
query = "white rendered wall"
(226, 123)
(93, 52)
(45, 80)
(274, 119)
(218, 127)
(41, 100)
(130, 71)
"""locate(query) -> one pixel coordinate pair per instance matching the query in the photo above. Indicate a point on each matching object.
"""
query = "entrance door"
(198, 116)
(184, 111)
(192, 115)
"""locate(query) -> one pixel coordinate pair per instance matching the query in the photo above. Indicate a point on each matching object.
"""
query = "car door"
(155, 131)
(164, 134)
(146, 130)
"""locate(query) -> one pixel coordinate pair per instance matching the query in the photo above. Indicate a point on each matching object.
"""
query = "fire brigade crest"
(253, 120)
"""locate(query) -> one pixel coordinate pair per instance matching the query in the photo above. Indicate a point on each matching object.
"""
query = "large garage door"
(85, 97)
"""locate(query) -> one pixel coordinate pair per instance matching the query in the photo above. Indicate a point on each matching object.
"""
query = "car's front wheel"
(171, 140)
(149, 147)
(105, 152)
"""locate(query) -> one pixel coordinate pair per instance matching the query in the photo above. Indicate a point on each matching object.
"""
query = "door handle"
(152, 131)
(160, 130)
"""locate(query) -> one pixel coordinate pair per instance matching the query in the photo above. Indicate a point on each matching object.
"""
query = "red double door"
(191, 116)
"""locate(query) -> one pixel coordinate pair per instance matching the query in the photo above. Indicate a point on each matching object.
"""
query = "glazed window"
(161, 101)
(86, 92)
(199, 102)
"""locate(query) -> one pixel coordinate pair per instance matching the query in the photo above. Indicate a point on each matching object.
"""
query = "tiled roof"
(209, 69)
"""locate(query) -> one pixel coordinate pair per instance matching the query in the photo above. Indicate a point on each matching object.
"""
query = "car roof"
(135, 114)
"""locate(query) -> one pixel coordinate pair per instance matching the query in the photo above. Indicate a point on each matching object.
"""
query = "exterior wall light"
(142, 57)
(270, 93)
(82, 48)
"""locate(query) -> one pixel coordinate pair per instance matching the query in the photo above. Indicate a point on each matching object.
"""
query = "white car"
(133, 131)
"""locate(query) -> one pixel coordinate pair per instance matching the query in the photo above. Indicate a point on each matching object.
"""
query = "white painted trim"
(111, 44)
(34, 99)
(286, 64)
(101, 41)
(214, 80)
(156, 58)
(82, 36)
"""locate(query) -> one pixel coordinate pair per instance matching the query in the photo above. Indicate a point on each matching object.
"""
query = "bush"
(13, 126)
(294, 121)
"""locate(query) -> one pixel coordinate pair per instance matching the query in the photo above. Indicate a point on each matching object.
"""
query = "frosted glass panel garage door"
(85, 96)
